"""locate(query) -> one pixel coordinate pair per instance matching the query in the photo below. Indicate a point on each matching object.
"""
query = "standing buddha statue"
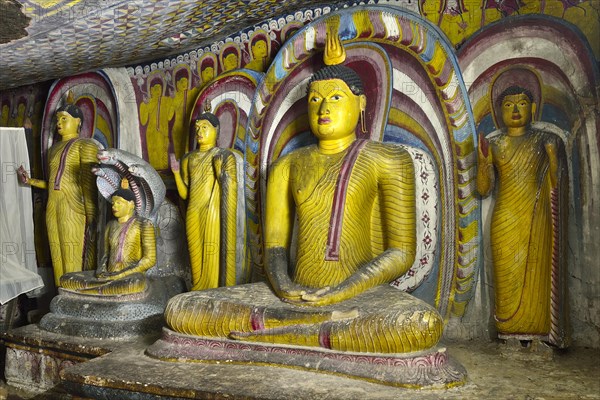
(524, 226)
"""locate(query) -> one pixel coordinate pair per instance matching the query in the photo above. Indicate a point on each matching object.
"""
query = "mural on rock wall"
(160, 91)
(460, 19)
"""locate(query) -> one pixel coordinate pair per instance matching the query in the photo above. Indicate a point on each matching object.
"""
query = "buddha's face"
(230, 62)
(206, 133)
(517, 110)
(207, 74)
(259, 50)
(67, 124)
(333, 110)
(156, 90)
(182, 84)
(121, 207)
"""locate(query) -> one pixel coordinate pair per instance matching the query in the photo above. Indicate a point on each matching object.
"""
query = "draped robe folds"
(211, 217)
(71, 197)
(523, 236)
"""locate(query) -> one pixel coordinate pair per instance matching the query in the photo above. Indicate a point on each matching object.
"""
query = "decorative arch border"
(94, 93)
(412, 34)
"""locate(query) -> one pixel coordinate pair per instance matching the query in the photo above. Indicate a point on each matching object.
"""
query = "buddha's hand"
(320, 297)
(23, 175)
(484, 156)
(313, 297)
(101, 272)
(292, 292)
(173, 162)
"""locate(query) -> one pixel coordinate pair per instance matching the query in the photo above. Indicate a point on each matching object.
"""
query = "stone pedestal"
(431, 368)
(110, 317)
(35, 358)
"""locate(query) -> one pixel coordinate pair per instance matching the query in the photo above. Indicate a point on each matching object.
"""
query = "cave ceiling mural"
(43, 39)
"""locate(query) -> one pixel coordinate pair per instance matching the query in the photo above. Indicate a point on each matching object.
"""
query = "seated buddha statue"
(129, 251)
(338, 295)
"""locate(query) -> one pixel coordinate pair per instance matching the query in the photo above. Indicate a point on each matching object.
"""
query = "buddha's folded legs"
(85, 282)
(381, 320)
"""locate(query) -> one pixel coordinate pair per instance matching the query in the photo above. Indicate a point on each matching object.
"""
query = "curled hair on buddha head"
(513, 90)
(124, 192)
(210, 117)
(346, 74)
(72, 110)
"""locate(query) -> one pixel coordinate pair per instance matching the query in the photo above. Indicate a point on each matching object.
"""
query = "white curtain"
(18, 269)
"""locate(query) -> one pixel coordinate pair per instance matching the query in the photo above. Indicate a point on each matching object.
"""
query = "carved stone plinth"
(35, 358)
(112, 317)
(433, 368)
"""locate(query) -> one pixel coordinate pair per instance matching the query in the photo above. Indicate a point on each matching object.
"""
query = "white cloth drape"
(18, 268)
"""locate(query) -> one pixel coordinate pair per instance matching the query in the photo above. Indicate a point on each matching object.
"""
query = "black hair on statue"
(72, 110)
(210, 117)
(346, 74)
(125, 194)
(512, 90)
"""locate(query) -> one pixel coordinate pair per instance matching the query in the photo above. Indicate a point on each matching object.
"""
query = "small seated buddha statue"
(127, 294)
(338, 296)
(129, 251)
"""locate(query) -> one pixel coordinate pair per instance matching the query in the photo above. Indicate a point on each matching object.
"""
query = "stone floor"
(496, 371)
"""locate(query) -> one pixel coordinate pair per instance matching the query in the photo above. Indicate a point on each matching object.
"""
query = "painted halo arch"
(94, 93)
(229, 97)
(443, 95)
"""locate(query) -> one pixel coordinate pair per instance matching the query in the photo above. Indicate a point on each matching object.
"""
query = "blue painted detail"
(556, 116)
(301, 140)
(99, 136)
(427, 54)
(348, 30)
(463, 133)
(486, 125)
(396, 134)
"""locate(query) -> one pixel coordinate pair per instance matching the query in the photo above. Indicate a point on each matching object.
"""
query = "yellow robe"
(522, 236)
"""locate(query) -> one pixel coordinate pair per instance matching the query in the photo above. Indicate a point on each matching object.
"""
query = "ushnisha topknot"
(72, 110)
(512, 90)
(210, 117)
(333, 57)
(346, 74)
(124, 192)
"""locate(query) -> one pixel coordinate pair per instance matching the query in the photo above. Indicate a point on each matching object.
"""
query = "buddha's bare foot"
(341, 315)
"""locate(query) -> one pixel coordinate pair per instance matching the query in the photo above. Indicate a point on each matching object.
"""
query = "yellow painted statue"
(72, 196)
(155, 115)
(354, 201)
(523, 235)
(208, 179)
(129, 251)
